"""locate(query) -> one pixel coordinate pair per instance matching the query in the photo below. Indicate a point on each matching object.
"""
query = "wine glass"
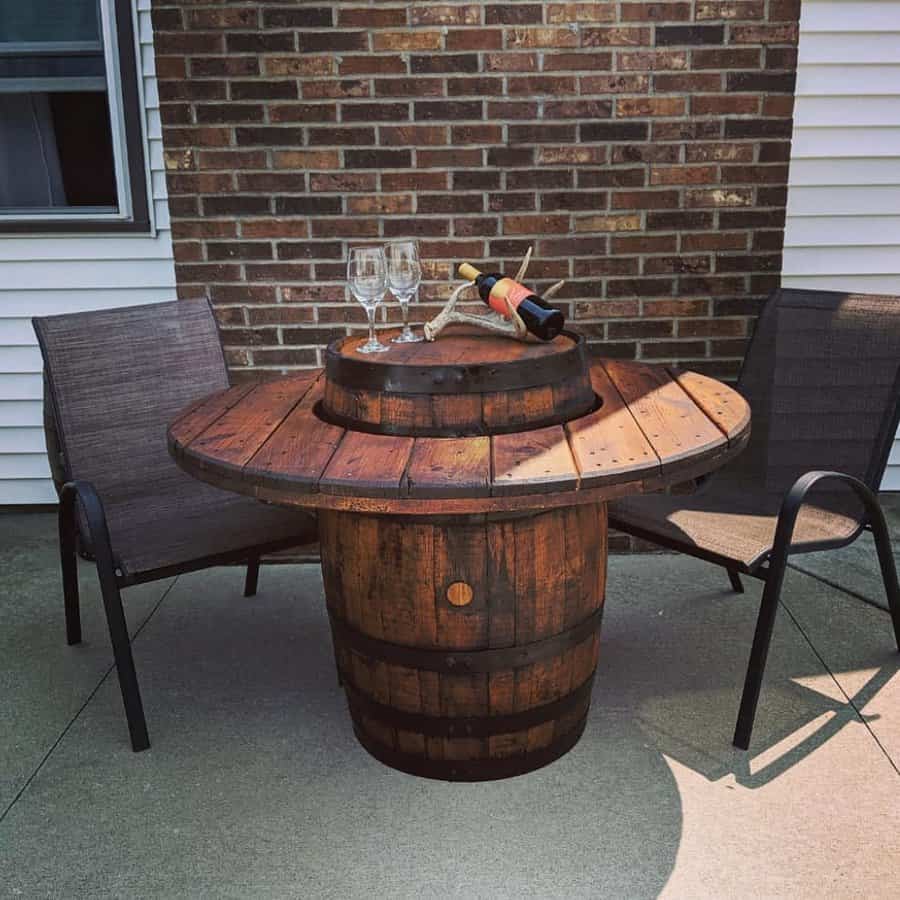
(367, 276)
(404, 275)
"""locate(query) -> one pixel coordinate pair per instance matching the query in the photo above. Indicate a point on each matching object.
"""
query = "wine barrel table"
(461, 491)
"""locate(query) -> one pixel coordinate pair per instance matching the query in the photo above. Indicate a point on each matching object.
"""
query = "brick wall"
(641, 147)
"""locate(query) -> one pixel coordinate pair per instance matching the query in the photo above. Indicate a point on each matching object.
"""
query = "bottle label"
(507, 289)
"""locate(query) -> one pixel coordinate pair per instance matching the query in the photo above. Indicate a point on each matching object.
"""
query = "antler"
(510, 324)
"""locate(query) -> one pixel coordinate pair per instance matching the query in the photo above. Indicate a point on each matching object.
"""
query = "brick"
(678, 35)
(656, 12)
(584, 13)
(274, 228)
(535, 224)
(402, 41)
(770, 82)
(340, 137)
(268, 136)
(616, 37)
(614, 131)
(438, 14)
(786, 33)
(650, 106)
(307, 159)
(715, 197)
(525, 38)
(310, 250)
(429, 110)
(320, 90)
(469, 39)
(381, 204)
(682, 174)
(510, 62)
(304, 17)
(259, 42)
(332, 41)
(513, 14)
(217, 66)
(368, 17)
(615, 84)
(542, 84)
(608, 223)
(426, 159)
(303, 112)
(413, 135)
(476, 134)
(414, 181)
(758, 128)
(577, 62)
(299, 65)
(577, 109)
(238, 250)
(418, 227)
(512, 202)
(477, 86)
(539, 179)
(634, 177)
(372, 65)
(573, 156)
(209, 113)
(377, 159)
(725, 104)
(444, 62)
(236, 205)
(651, 60)
(307, 206)
(343, 182)
(409, 87)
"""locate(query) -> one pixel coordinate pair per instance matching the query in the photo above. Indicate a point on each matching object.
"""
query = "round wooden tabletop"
(654, 427)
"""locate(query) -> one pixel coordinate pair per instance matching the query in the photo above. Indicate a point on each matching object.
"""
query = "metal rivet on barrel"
(459, 594)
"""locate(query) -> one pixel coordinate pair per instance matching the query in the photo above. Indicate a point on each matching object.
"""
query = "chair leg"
(69, 564)
(765, 624)
(735, 580)
(252, 580)
(888, 569)
(128, 683)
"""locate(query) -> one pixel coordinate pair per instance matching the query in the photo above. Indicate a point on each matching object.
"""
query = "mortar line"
(83, 706)
(833, 677)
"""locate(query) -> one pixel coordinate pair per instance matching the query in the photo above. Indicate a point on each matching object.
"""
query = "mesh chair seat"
(177, 527)
(734, 529)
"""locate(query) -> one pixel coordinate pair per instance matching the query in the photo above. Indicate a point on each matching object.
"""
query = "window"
(71, 143)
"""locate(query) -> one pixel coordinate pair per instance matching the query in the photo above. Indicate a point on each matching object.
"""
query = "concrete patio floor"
(255, 786)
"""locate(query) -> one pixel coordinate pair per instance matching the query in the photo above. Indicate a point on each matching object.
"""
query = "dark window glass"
(57, 152)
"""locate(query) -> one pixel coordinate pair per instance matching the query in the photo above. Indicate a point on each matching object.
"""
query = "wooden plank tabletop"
(653, 427)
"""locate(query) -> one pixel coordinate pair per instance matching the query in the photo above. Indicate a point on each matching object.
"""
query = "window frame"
(126, 109)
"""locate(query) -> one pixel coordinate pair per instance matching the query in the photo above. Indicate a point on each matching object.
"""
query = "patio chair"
(113, 380)
(822, 375)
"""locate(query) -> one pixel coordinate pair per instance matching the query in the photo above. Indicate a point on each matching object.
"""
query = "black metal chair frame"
(112, 581)
(771, 568)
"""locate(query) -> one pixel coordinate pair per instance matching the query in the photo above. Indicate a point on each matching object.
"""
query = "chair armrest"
(796, 497)
(95, 516)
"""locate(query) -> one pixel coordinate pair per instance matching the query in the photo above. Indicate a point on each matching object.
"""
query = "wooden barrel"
(465, 383)
(466, 645)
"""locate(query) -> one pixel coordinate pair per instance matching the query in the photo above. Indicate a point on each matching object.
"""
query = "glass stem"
(404, 308)
(370, 312)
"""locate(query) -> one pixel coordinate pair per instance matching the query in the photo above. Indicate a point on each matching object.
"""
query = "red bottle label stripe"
(507, 289)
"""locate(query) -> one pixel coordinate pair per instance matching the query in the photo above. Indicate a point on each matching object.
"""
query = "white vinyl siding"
(42, 276)
(843, 212)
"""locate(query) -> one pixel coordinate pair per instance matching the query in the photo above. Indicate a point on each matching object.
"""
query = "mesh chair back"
(823, 379)
(116, 378)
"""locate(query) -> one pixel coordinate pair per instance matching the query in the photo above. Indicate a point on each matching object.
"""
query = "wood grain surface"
(653, 428)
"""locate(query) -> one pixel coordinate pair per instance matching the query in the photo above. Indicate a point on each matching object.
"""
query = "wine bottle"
(541, 319)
